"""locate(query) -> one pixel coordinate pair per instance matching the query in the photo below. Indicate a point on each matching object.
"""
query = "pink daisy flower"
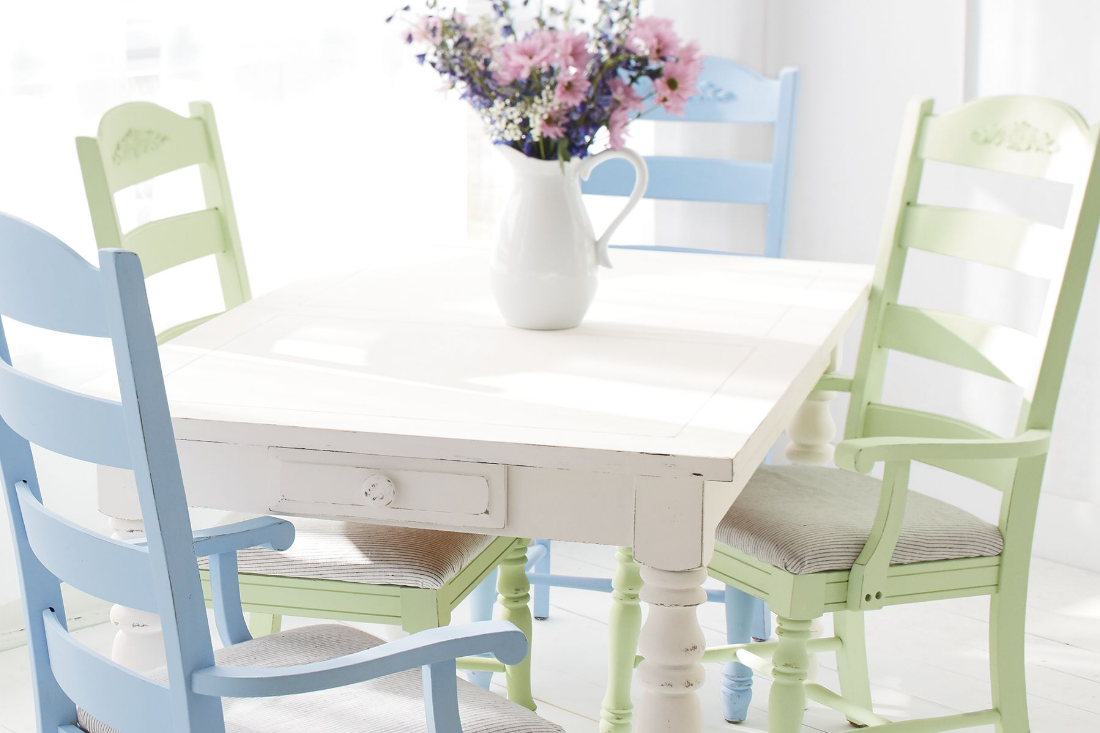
(551, 128)
(573, 50)
(616, 125)
(675, 87)
(690, 56)
(426, 29)
(535, 52)
(626, 96)
(654, 37)
(572, 88)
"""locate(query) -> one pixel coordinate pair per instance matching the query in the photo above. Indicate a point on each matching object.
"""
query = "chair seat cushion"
(366, 553)
(390, 704)
(809, 520)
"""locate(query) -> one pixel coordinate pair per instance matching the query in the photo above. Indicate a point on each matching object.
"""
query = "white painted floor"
(925, 660)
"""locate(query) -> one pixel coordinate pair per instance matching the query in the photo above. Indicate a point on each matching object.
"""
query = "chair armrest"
(499, 638)
(833, 383)
(275, 534)
(861, 454)
(269, 532)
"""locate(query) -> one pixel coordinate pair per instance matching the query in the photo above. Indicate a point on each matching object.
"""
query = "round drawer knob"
(379, 490)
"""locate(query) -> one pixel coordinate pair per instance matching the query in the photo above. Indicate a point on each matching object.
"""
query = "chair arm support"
(861, 454)
(833, 383)
(867, 579)
(275, 534)
(225, 593)
(221, 544)
(499, 638)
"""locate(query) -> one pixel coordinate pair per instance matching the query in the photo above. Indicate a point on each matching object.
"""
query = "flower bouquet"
(545, 93)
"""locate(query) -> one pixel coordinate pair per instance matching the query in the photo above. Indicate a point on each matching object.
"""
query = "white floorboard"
(925, 660)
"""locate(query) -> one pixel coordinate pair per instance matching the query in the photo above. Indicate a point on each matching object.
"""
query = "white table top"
(679, 366)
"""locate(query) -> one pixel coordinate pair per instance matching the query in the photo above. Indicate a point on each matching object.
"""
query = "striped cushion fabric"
(809, 520)
(366, 553)
(390, 704)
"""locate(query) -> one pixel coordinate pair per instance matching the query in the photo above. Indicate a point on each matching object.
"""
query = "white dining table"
(637, 429)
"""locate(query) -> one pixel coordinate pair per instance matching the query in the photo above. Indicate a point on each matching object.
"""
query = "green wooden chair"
(812, 541)
(392, 575)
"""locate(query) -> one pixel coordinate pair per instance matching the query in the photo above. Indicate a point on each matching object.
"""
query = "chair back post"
(869, 373)
(215, 186)
(40, 589)
(161, 493)
(775, 233)
(1020, 511)
(1084, 219)
(101, 200)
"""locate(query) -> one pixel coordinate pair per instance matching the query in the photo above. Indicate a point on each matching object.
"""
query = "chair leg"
(541, 590)
(761, 621)
(741, 612)
(262, 624)
(851, 659)
(482, 599)
(514, 604)
(617, 712)
(790, 666)
(1006, 660)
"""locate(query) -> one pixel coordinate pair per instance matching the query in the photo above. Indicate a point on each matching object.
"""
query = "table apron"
(669, 521)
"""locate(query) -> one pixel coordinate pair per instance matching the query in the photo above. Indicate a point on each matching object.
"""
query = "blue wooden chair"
(728, 93)
(354, 680)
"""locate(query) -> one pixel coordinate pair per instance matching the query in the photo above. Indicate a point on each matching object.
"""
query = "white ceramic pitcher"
(547, 253)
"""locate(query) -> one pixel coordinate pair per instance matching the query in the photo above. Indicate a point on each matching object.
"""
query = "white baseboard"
(81, 609)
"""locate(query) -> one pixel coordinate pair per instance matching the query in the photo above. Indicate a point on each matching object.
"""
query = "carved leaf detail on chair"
(136, 143)
(711, 92)
(1020, 136)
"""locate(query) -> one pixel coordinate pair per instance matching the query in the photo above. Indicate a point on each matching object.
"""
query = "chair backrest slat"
(139, 141)
(968, 343)
(78, 556)
(66, 311)
(688, 179)
(94, 430)
(1026, 136)
(112, 694)
(1022, 136)
(1008, 242)
(166, 243)
(136, 432)
(728, 93)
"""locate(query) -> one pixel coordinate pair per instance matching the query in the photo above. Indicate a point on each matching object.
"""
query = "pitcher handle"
(584, 170)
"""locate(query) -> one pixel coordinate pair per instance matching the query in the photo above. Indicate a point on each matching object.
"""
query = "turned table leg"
(138, 644)
(812, 429)
(672, 644)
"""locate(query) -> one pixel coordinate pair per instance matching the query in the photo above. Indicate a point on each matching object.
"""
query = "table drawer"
(413, 490)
